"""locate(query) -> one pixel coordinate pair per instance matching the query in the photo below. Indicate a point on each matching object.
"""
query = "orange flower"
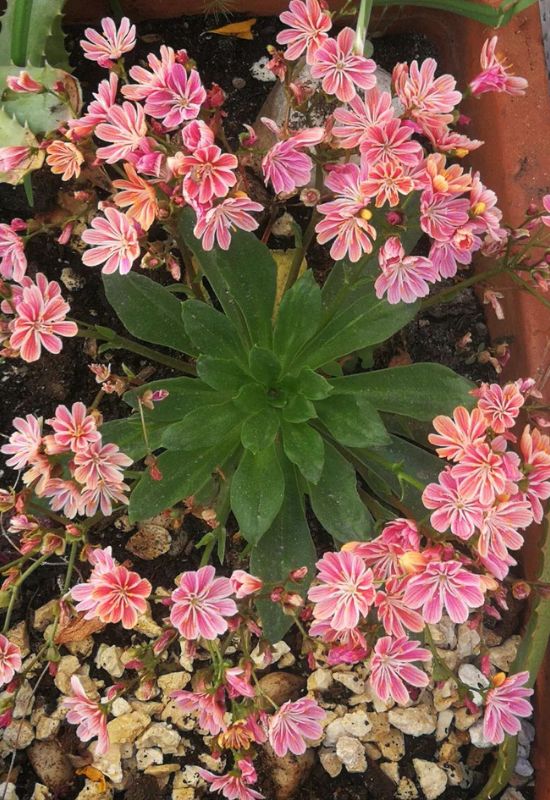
(138, 196)
(64, 159)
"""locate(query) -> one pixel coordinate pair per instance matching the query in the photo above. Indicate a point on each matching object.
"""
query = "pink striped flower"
(40, 319)
(386, 181)
(391, 668)
(425, 97)
(208, 173)
(89, 715)
(384, 552)
(293, 724)
(102, 496)
(286, 166)
(458, 250)
(341, 69)
(24, 445)
(245, 584)
(179, 99)
(112, 44)
(99, 462)
(65, 496)
(352, 233)
(216, 224)
(236, 784)
(455, 435)
(390, 141)
(453, 511)
(117, 595)
(209, 705)
(504, 705)
(354, 123)
(64, 159)
(10, 660)
(482, 474)
(115, 243)
(201, 604)
(500, 526)
(535, 451)
(486, 216)
(24, 83)
(98, 109)
(238, 682)
(13, 262)
(138, 196)
(403, 278)
(15, 157)
(197, 134)
(444, 585)
(441, 214)
(495, 75)
(148, 80)
(393, 612)
(500, 405)
(75, 429)
(345, 591)
(125, 129)
(308, 25)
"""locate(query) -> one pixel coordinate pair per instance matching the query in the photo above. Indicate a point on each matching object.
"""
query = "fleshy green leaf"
(148, 310)
(264, 365)
(259, 430)
(335, 500)
(211, 332)
(298, 317)
(257, 491)
(312, 385)
(299, 409)
(287, 545)
(251, 398)
(203, 427)
(128, 435)
(243, 278)
(222, 374)
(352, 420)
(304, 446)
(184, 394)
(420, 391)
(184, 474)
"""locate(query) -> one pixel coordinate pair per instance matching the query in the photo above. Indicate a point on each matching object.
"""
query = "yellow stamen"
(365, 214)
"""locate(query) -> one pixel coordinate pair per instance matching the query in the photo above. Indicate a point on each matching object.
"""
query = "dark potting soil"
(38, 388)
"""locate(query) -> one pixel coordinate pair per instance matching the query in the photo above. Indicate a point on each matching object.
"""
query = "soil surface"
(434, 336)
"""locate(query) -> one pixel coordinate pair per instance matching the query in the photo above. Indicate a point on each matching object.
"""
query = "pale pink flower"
(354, 123)
(453, 511)
(500, 405)
(386, 181)
(286, 166)
(10, 660)
(403, 278)
(438, 176)
(99, 462)
(441, 214)
(444, 586)
(504, 704)
(535, 451)
(345, 591)
(458, 250)
(197, 134)
(308, 25)
(102, 495)
(215, 224)
(118, 595)
(454, 435)
(65, 496)
(545, 219)
(179, 99)
(112, 44)
(245, 584)
(98, 109)
(341, 69)
(125, 129)
(64, 159)
(393, 612)
(208, 173)
(24, 445)
(238, 682)
(75, 429)
(383, 553)
(148, 80)
(500, 526)
(390, 141)
(449, 141)
(13, 262)
(210, 706)
(201, 604)
(495, 75)
(293, 724)
(236, 784)
(15, 157)
(115, 243)
(138, 196)
(425, 97)
(482, 473)
(485, 214)
(391, 668)
(352, 233)
(89, 715)
(23, 82)
(40, 319)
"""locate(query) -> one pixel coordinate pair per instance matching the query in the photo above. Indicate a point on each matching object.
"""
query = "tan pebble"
(391, 769)
(173, 681)
(392, 745)
(150, 542)
(372, 751)
(19, 635)
(18, 735)
(187, 793)
(126, 728)
(45, 615)
(281, 686)
(159, 770)
(406, 790)
(330, 762)
(319, 681)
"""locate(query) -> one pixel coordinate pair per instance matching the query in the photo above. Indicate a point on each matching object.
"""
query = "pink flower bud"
(395, 218)
(521, 590)
(298, 575)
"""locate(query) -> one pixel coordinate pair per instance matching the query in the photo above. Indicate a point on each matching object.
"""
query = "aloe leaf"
(31, 34)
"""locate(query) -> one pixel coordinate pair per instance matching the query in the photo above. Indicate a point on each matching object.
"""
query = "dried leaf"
(93, 774)
(241, 30)
(76, 628)
(283, 260)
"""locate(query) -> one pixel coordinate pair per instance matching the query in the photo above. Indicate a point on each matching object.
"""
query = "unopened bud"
(521, 590)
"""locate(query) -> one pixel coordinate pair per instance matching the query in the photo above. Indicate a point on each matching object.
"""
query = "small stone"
(469, 642)
(120, 706)
(330, 762)
(109, 659)
(18, 735)
(406, 790)
(7, 791)
(351, 753)
(281, 686)
(148, 756)
(172, 682)
(260, 72)
(355, 724)
(147, 626)
(476, 736)
(93, 790)
(392, 745)
(181, 719)
(455, 773)
(189, 776)
(472, 677)
(109, 763)
(46, 725)
(277, 651)
(444, 722)
(351, 681)
(432, 778)
(444, 633)
(211, 763)
(445, 695)
(52, 766)
(186, 793)
(526, 734)
(71, 280)
(319, 681)
(40, 792)
(45, 615)
(416, 721)
(284, 225)
(19, 635)
(24, 701)
(161, 770)
(150, 542)
(379, 726)
(503, 656)
(448, 752)
(126, 728)
(468, 778)
(464, 719)
(372, 751)
(66, 668)
(238, 83)
(81, 648)
(162, 735)
(289, 772)
(524, 768)
(286, 660)
(391, 770)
